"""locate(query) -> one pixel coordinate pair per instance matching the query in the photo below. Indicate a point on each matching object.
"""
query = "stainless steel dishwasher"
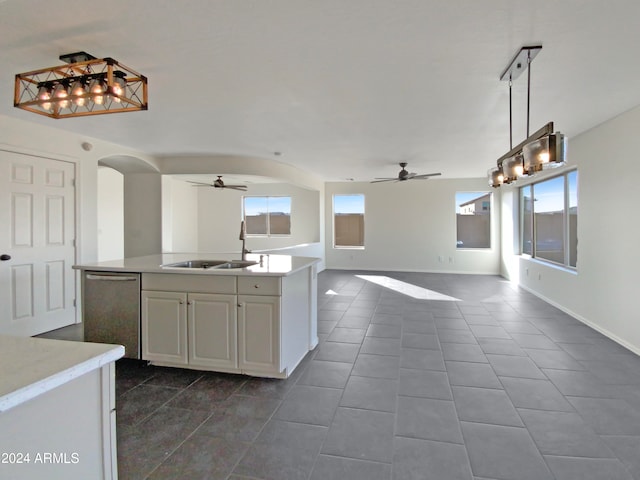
(111, 309)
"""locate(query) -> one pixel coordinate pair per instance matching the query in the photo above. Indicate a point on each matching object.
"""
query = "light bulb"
(544, 157)
(97, 88)
(44, 93)
(118, 87)
(119, 84)
(60, 94)
(77, 91)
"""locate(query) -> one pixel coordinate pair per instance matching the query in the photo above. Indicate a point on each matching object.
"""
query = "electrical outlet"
(526, 271)
(539, 276)
(451, 260)
(440, 258)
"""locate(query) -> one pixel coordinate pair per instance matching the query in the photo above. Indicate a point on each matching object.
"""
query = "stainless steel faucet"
(243, 234)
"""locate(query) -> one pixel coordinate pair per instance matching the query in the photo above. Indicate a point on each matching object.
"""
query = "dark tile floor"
(427, 376)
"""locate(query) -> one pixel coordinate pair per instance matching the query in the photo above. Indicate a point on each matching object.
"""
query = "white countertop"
(32, 366)
(274, 265)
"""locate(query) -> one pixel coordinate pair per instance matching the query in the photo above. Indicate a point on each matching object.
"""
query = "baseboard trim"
(580, 318)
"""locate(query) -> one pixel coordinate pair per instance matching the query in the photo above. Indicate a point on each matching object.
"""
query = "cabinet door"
(164, 327)
(259, 333)
(213, 335)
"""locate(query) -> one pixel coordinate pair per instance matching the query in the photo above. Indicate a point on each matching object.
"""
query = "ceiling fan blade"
(242, 188)
(425, 176)
(378, 180)
(199, 184)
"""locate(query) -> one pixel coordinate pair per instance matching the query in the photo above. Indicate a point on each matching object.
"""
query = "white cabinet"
(197, 329)
(164, 327)
(212, 327)
(257, 325)
(259, 334)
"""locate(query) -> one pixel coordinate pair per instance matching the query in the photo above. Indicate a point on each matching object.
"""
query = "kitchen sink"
(196, 264)
(236, 264)
(204, 264)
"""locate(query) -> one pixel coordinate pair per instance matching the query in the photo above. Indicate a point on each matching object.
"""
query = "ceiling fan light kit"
(85, 86)
(539, 151)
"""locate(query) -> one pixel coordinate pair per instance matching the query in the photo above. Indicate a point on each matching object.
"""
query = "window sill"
(546, 263)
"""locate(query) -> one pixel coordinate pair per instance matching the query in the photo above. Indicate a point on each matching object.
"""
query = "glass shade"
(60, 95)
(118, 87)
(44, 93)
(547, 152)
(77, 92)
(97, 87)
(495, 176)
(513, 168)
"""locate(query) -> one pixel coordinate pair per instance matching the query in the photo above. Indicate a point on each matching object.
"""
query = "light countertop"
(271, 265)
(30, 367)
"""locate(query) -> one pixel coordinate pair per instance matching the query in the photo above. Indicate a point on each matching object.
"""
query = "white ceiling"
(343, 88)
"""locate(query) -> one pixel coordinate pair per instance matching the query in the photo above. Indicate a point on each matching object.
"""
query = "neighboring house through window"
(473, 219)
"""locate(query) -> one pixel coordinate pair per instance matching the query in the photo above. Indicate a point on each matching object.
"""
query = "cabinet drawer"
(250, 285)
(189, 283)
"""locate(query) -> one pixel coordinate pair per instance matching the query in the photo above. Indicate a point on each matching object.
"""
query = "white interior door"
(37, 219)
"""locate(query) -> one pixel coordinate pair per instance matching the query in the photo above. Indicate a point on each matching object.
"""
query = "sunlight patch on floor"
(330, 292)
(405, 288)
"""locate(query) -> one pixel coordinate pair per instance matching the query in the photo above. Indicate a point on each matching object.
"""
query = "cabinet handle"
(180, 302)
(239, 305)
(256, 286)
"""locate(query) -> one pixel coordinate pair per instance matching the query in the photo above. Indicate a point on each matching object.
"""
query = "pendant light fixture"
(85, 86)
(541, 150)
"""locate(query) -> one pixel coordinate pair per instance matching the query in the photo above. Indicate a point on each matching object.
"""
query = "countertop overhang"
(268, 264)
(30, 367)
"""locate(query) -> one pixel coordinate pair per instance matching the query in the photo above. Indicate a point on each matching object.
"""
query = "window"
(549, 219)
(267, 216)
(473, 219)
(348, 221)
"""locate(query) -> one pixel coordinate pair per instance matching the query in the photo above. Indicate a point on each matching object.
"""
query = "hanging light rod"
(85, 86)
(540, 150)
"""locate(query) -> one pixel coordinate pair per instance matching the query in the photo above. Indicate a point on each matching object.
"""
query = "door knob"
(4, 257)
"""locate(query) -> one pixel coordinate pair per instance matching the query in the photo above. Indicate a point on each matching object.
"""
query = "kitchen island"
(57, 409)
(208, 311)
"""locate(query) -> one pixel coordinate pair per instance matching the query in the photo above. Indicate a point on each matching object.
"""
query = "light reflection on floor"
(405, 288)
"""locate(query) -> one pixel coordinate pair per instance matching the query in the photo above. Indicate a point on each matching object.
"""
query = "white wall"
(110, 214)
(409, 226)
(142, 214)
(220, 214)
(602, 291)
(179, 216)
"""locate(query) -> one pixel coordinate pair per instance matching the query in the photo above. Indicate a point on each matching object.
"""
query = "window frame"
(566, 227)
(333, 214)
(268, 234)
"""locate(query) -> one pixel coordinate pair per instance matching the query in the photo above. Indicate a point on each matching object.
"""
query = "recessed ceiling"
(344, 89)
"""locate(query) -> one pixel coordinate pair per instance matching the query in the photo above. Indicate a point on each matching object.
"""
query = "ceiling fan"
(405, 175)
(219, 184)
